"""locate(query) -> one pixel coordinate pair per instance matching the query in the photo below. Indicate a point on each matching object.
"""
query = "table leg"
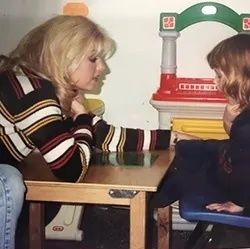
(36, 225)
(163, 227)
(138, 221)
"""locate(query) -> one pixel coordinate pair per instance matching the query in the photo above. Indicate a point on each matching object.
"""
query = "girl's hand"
(226, 206)
(230, 113)
(77, 107)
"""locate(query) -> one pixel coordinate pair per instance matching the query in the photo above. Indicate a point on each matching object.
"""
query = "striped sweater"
(31, 117)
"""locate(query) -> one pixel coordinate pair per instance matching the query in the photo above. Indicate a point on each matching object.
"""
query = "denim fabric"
(12, 191)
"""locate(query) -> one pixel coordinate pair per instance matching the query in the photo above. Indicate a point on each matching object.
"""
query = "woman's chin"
(89, 88)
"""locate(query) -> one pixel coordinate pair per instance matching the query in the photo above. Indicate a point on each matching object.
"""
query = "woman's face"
(88, 73)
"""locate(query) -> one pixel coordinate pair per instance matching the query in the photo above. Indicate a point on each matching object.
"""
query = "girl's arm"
(237, 162)
(228, 206)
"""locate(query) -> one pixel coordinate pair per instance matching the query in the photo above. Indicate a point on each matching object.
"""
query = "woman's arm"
(110, 138)
(178, 136)
(39, 123)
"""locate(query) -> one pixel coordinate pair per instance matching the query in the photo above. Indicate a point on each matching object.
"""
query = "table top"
(127, 175)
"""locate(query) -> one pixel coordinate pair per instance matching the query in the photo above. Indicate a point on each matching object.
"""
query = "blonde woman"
(39, 106)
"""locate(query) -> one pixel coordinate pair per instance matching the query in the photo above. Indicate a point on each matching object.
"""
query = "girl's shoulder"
(243, 117)
(241, 124)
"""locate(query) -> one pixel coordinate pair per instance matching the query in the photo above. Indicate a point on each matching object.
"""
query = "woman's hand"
(226, 206)
(177, 136)
(77, 107)
(231, 112)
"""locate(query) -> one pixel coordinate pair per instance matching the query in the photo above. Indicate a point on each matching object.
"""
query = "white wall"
(135, 68)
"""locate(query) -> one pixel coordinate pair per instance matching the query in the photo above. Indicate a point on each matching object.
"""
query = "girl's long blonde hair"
(55, 49)
(231, 57)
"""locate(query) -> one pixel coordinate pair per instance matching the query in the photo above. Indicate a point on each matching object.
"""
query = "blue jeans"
(12, 191)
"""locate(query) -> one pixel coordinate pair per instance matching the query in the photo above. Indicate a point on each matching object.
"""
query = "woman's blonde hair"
(231, 57)
(55, 49)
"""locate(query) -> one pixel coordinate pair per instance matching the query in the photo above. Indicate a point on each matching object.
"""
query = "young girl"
(40, 107)
(231, 61)
(223, 164)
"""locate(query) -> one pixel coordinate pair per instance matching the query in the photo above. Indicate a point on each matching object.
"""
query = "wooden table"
(116, 185)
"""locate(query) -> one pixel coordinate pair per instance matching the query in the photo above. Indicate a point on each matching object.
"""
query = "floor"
(107, 227)
(104, 228)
